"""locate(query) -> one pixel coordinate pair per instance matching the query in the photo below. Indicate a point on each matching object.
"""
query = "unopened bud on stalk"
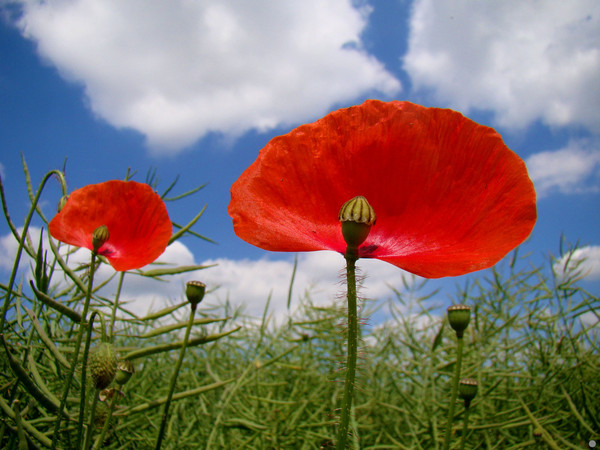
(125, 371)
(103, 365)
(357, 218)
(194, 291)
(459, 317)
(61, 203)
(467, 389)
(99, 237)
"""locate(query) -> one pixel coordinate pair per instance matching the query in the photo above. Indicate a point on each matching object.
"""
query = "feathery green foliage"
(532, 346)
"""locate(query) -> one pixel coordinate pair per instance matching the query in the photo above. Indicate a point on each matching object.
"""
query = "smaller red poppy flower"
(449, 196)
(138, 224)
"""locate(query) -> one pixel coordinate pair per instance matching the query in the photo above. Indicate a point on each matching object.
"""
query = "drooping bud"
(61, 203)
(459, 317)
(99, 237)
(467, 389)
(357, 218)
(194, 291)
(125, 370)
(102, 365)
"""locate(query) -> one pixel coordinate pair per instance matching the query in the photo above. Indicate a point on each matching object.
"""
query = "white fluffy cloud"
(318, 274)
(525, 61)
(250, 283)
(585, 261)
(240, 282)
(575, 168)
(9, 246)
(177, 70)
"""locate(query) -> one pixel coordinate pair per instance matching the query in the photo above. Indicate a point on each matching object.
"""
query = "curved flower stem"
(82, 325)
(342, 436)
(454, 395)
(115, 306)
(165, 416)
(23, 238)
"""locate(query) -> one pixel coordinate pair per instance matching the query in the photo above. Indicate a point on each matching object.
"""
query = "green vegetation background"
(532, 345)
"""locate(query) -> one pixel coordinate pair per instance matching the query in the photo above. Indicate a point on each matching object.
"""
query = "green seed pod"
(124, 371)
(357, 218)
(194, 292)
(459, 317)
(102, 365)
(467, 389)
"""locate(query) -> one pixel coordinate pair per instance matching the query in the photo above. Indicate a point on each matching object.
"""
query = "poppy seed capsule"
(459, 317)
(194, 291)
(467, 389)
(357, 218)
(102, 365)
(124, 371)
(99, 237)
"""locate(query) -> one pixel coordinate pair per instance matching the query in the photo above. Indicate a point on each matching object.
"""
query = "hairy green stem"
(165, 415)
(454, 395)
(346, 409)
(82, 326)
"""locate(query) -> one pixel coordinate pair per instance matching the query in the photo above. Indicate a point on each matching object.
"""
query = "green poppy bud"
(467, 389)
(357, 218)
(459, 317)
(102, 365)
(194, 291)
(124, 371)
(61, 203)
(99, 237)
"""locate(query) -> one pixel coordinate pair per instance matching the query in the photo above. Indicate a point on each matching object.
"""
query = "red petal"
(449, 196)
(136, 217)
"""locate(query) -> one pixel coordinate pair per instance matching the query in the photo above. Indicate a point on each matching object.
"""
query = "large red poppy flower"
(137, 220)
(449, 196)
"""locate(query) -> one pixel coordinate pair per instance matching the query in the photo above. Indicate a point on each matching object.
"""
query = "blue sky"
(196, 89)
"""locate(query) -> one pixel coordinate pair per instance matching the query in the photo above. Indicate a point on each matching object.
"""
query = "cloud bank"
(177, 70)
(524, 61)
(242, 283)
(570, 170)
(250, 283)
(584, 261)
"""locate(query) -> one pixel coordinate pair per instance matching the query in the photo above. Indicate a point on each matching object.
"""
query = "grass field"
(532, 346)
